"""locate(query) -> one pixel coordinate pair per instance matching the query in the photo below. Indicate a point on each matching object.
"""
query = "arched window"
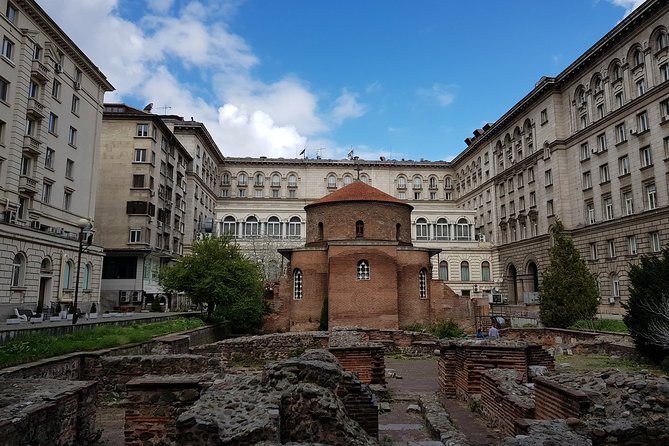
(401, 182)
(363, 270)
(433, 182)
(464, 271)
(598, 83)
(251, 227)
(332, 180)
(276, 180)
(615, 285)
(398, 231)
(421, 229)
(442, 229)
(241, 179)
(86, 282)
(320, 230)
(67, 275)
(274, 227)
(616, 72)
(422, 283)
(485, 271)
(292, 180)
(637, 57)
(443, 270)
(295, 227)
(260, 180)
(417, 182)
(18, 270)
(359, 229)
(225, 179)
(662, 41)
(448, 183)
(229, 226)
(297, 284)
(46, 267)
(348, 179)
(462, 230)
(364, 178)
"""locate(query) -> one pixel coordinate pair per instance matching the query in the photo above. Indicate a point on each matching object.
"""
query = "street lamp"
(84, 226)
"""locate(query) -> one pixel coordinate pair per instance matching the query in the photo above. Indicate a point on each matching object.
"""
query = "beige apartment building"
(51, 99)
(157, 194)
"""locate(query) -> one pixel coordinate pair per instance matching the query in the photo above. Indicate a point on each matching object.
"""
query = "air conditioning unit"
(35, 224)
(124, 297)
(612, 300)
(496, 298)
(633, 132)
(595, 150)
(58, 68)
(77, 85)
(10, 216)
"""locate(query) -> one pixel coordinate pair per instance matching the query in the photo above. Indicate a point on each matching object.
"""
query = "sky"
(399, 79)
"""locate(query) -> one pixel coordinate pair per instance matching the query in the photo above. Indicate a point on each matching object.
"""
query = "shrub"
(155, 305)
(243, 316)
(447, 329)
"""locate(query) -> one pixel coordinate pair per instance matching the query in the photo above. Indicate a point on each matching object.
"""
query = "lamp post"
(84, 225)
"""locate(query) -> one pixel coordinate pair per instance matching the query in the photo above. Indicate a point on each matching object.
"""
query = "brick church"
(359, 256)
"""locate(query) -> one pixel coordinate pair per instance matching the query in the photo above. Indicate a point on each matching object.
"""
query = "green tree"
(647, 308)
(569, 290)
(218, 275)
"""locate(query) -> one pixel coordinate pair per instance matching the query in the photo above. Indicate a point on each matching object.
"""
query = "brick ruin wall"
(503, 400)
(367, 362)
(561, 341)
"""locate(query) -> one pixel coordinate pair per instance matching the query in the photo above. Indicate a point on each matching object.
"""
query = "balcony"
(36, 109)
(39, 71)
(31, 145)
(28, 185)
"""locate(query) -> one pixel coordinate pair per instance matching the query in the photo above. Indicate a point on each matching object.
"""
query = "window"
(18, 270)
(55, 89)
(462, 229)
(363, 270)
(530, 175)
(655, 245)
(422, 283)
(4, 90)
(620, 100)
(297, 284)
(359, 229)
(433, 183)
(587, 180)
(67, 200)
(241, 179)
(7, 49)
(33, 89)
(642, 122)
(69, 169)
(421, 229)
(593, 251)
(86, 282)
(348, 179)
(549, 208)
(607, 207)
(46, 192)
(273, 227)
(332, 181)
(544, 116)
(26, 166)
(72, 137)
(464, 271)
(640, 87)
(135, 236)
(548, 177)
(604, 175)
(631, 242)
(615, 285)
(533, 199)
(651, 196)
(12, 13)
(251, 227)
(292, 194)
(600, 111)
(140, 155)
(628, 203)
(416, 195)
(417, 183)
(229, 226)
(612, 248)
(601, 142)
(624, 165)
(142, 130)
(621, 133)
(664, 72)
(292, 180)
(138, 181)
(402, 195)
(442, 229)
(585, 151)
(75, 104)
(294, 227)
(31, 127)
(584, 122)
(646, 157)
(443, 270)
(485, 271)
(448, 183)
(502, 211)
(259, 180)
(37, 52)
(509, 185)
(401, 183)
(662, 41)
(68, 269)
(53, 124)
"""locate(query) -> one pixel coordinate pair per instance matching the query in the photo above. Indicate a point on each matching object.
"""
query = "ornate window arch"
(422, 283)
(259, 179)
(348, 179)
(276, 179)
(68, 270)
(294, 227)
(19, 270)
(363, 270)
(251, 227)
(332, 180)
(229, 226)
(417, 182)
(274, 227)
(242, 179)
(421, 229)
(462, 229)
(442, 229)
(297, 284)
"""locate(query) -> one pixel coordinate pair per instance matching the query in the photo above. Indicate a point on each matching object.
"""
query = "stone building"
(358, 260)
(50, 123)
(142, 205)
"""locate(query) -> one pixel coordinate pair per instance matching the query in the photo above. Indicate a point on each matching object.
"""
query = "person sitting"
(479, 333)
(493, 332)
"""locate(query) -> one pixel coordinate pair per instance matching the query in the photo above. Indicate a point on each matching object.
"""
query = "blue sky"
(389, 78)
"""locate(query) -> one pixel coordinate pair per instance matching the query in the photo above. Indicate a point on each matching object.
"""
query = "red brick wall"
(555, 401)
(339, 220)
(412, 308)
(501, 407)
(363, 303)
(367, 362)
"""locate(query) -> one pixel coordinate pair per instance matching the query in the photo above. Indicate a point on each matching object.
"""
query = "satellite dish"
(148, 107)
(495, 290)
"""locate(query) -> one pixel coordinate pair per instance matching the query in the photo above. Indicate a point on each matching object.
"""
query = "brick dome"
(358, 191)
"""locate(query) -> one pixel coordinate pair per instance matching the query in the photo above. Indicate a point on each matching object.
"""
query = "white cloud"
(629, 5)
(146, 58)
(346, 106)
(443, 95)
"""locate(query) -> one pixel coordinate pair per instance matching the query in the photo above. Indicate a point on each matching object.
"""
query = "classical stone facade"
(50, 124)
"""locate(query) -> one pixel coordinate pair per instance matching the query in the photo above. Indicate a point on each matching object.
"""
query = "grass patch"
(611, 325)
(39, 346)
(586, 363)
